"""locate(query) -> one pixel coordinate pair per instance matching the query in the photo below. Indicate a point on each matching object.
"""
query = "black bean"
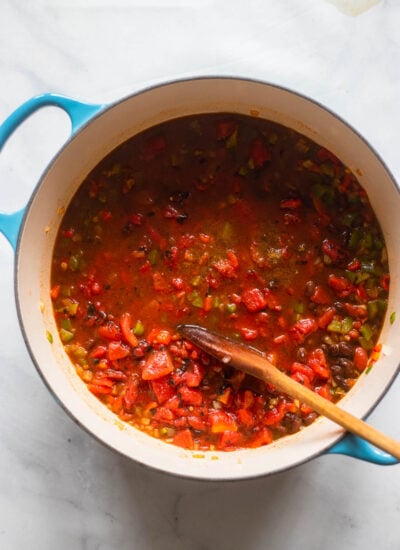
(336, 370)
(340, 307)
(309, 418)
(292, 423)
(341, 382)
(345, 363)
(346, 350)
(334, 350)
(181, 218)
(280, 429)
(325, 348)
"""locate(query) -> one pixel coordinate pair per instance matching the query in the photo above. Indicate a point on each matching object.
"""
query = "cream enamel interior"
(62, 179)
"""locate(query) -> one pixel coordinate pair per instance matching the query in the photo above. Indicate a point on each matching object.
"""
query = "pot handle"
(354, 446)
(78, 112)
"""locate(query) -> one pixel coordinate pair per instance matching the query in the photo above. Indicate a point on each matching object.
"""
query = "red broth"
(237, 224)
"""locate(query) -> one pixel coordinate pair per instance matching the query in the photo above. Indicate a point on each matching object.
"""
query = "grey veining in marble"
(61, 489)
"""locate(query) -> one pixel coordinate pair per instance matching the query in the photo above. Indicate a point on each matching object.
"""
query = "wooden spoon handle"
(253, 362)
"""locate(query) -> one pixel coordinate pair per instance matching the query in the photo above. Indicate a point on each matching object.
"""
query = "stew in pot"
(240, 225)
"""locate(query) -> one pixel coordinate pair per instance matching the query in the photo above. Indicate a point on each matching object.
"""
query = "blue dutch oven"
(96, 131)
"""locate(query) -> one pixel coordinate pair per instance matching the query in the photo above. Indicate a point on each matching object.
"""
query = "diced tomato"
(158, 364)
(171, 257)
(160, 282)
(178, 283)
(341, 285)
(181, 422)
(145, 268)
(221, 421)
(114, 374)
(263, 437)
(99, 390)
(254, 299)
(137, 219)
(272, 301)
(197, 423)
(225, 268)
(159, 336)
(302, 379)
(99, 352)
(163, 415)
(332, 250)
(225, 128)
(186, 241)
(360, 358)
(292, 218)
(249, 333)
(55, 292)
(184, 438)
(126, 328)
(232, 259)
(354, 265)
(99, 379)
(291, 204)
(106, 215)
(110, 331)
(193, 375)
(259, 153)
(117, 350)
(274, 415)
(303, 328)
(246, 418)
(248, 399)
(326, 317)
(173, 402)
(303, 369)
(131, 392)
(360, 291)
(230, 441)
(208, 303)
(385, 280)
(281, 339)
(162, 389)
(317, 361)
(324, 392)
(305, 409)
(190, 396)
(321, 296)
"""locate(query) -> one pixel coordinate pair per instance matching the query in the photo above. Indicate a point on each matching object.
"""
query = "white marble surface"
(58, 487)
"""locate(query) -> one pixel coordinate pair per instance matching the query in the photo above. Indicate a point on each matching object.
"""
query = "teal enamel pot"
(96, 131)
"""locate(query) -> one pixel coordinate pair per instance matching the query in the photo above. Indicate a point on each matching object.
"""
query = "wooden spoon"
(253, 362)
